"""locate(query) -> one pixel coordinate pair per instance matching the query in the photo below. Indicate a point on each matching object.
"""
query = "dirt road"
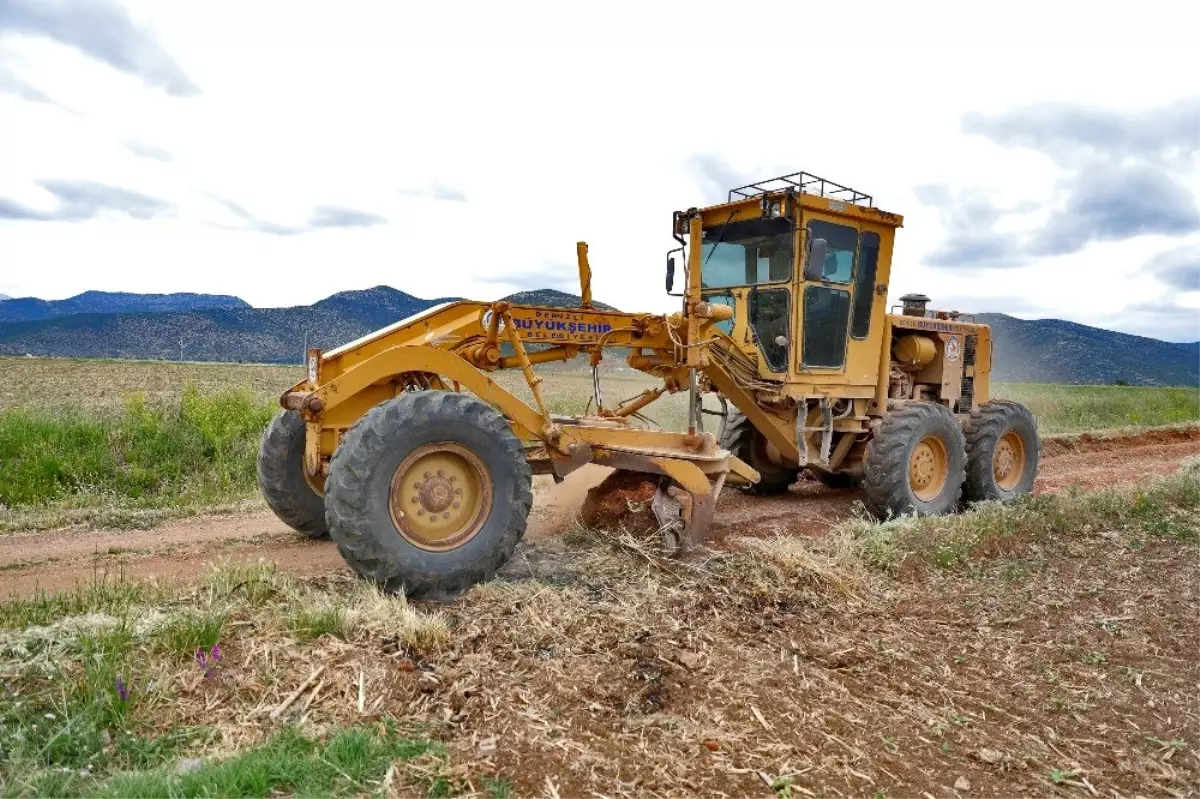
(183, 550)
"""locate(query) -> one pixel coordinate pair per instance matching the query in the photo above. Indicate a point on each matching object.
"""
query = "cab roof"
(810, 191)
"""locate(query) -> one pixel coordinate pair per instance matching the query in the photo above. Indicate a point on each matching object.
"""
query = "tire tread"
(280, 481)
(361, 447)
(885, 468)
(985, 427)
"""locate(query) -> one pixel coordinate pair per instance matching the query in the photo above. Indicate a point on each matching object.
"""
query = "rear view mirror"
(814, 261)
(670, 273)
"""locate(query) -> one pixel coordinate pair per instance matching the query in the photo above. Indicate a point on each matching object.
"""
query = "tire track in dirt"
(184, 550)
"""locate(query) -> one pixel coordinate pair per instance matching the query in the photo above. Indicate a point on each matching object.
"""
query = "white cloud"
(546, 128)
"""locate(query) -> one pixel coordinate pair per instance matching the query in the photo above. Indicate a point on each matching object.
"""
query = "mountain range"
(205, 327)
(29, 309)
(1056, 351)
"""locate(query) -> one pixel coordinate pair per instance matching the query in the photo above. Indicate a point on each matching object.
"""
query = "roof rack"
(806, 183)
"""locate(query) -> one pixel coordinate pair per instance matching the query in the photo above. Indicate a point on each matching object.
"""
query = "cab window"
(841, 244)
(864, 285)
(747, 253)
(723, 298)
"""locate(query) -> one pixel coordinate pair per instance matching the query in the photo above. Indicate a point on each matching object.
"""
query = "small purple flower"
(122, 689)
(208, 660)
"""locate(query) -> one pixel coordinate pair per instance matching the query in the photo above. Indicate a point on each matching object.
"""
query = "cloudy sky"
(1046, 162)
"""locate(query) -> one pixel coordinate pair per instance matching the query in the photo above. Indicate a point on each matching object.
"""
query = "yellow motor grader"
(401, 448)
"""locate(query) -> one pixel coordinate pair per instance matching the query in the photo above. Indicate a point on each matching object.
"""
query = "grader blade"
(672, 493)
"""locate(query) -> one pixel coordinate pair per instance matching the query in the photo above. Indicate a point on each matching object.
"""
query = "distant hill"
(29, 309)
(239, 333)
(1054, 351)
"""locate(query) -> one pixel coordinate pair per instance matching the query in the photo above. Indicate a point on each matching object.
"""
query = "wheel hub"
(1008, 461)
(440, 496)
(928, 468)
(437, 493)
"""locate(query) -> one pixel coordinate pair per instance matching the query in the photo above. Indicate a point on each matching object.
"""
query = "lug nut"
(416, 500)
(452, 478)
(458, 491)
(420, 511)
(428, 475)
(446, 515)
(441, 473)
(456, 504)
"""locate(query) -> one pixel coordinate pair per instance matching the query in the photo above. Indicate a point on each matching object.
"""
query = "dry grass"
(50, 384)
(787, 665)
(101, 384)
(66, 383)
(785, 560)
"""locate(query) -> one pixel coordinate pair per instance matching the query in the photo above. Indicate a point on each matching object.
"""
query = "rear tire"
(915, 463)
(428, 494)
(745, 441)
(1003, 450)
(282, 480)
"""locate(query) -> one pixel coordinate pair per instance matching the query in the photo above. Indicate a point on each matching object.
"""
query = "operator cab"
(757, 254)
(804, 263)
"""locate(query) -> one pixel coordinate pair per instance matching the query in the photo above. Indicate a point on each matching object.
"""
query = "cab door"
(748, 264)
(826, 304)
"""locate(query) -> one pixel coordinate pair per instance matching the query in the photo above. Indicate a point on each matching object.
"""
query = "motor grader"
(402, 448)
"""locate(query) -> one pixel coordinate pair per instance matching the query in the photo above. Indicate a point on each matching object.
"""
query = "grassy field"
(1047, 648)
(53, 385)
(69, 384)
(120, 443)
(1074, 409)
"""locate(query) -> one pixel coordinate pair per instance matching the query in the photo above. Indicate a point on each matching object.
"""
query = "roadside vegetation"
(1075, 409)
(1162, 508)
(112, 690)
(129, 466)
(1046, 647)
(131, 444)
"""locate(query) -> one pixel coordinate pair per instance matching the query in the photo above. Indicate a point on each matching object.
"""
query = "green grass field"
(117, 443)
(1073, 409)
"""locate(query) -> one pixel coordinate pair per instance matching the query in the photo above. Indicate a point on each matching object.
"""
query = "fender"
(398, 360)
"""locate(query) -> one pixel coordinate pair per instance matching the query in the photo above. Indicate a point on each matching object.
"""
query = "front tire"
(1002, 452)
(916, 462)
(745, 441)
(281, 477)
(428, 494)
